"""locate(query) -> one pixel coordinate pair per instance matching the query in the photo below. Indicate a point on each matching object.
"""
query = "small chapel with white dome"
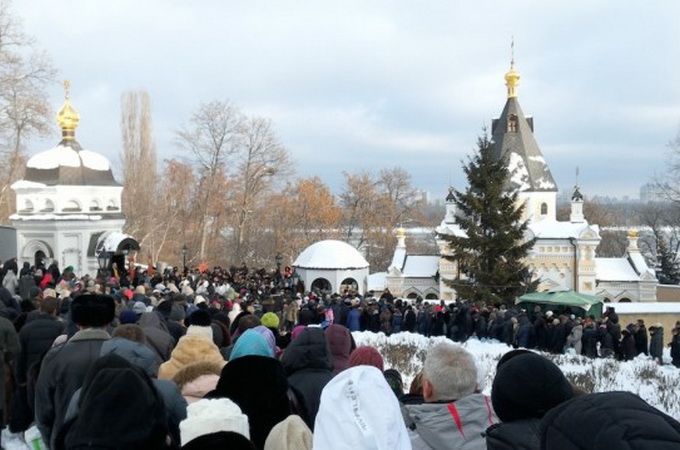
(69, 205)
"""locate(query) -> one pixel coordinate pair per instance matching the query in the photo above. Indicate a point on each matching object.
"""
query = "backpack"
(118, 408)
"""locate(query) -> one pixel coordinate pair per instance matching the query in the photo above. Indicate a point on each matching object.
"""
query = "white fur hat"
(289, 434)
(208, 416)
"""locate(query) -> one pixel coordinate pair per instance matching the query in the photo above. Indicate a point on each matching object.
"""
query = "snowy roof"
(639, 263)
(377, 281)
(528, 169)
(645, 307)
(24, 184)
(332, 255)
(111, 242)
(398, 258)
(421, 266)
(615, 269)
(69, 164)
(546, 229)
(48, 217)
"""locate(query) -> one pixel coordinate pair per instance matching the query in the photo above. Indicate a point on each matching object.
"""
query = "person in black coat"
(36, 338)
(641, 338)
(308, 364)
(64, 367)
(614, 420)
(656, 343)
(258, 385)
(589, 339)
(675, 347)
(628, 352)
(409, 319)
(525, 387)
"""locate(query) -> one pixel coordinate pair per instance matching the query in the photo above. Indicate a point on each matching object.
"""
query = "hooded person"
(157, 334)
(308, 364)
(617, 420)
(64, 367)
(215, 424)
(366, 356)
(109, 414)
(525, 387)
(290, 434)
(341, 343)
(197, 379)
(359, 411)
(196, 345)
(258, 385)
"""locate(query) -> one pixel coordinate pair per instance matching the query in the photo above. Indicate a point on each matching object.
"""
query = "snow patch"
(23, 184)
(47, 217)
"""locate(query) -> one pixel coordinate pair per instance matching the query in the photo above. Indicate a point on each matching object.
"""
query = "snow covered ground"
(658, 385)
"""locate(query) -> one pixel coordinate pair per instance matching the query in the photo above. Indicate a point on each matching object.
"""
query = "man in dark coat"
(641, 339)
(64, 367)
(615, 420)
(656, 343)
(258, 385)
(35, 338)
(589, 339)
(309, 367)
(525, 387)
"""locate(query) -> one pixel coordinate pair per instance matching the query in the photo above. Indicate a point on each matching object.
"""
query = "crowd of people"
(233, 358)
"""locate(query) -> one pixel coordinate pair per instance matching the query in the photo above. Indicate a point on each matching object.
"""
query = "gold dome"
(68, 117)
(401, 233)
(633, 233)
(512, 80)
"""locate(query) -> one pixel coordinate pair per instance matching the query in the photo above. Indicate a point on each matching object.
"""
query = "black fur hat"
(93, 310)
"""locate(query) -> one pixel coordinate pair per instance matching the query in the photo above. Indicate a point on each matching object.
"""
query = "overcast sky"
(361, 84)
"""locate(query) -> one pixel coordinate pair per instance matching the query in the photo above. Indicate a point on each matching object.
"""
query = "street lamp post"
(104, 259)
(184, 257)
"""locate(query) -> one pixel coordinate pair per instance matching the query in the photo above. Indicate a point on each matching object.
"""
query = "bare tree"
(211, 136)
(261, 157)
(24, 108)
(139, 164)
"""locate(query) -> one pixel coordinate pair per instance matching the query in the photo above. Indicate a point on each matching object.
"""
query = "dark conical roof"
(450, 197)
(513, 136)
(577, 196)
(69, 164)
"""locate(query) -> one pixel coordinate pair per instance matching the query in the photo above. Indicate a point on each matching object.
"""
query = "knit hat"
(177, 313)
(128, 316)
(358, 407)
(296, 331)
(199, 299)
(208, 416)
(527, 386)
(251, 343)
(139, 308)
(366, 356)
(270, 320)
(290, 434)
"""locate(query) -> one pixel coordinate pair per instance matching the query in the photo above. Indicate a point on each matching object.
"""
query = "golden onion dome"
(68, 117)
(512, 80)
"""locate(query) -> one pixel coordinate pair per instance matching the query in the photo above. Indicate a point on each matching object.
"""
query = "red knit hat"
(366, 356)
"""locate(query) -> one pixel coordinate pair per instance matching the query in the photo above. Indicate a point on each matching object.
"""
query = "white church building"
(69, 206)
(564, 255)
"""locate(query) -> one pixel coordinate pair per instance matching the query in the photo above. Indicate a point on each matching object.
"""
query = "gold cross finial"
(67, 89)
(512, 51)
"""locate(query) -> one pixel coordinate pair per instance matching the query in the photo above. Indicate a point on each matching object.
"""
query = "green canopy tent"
(561, 301)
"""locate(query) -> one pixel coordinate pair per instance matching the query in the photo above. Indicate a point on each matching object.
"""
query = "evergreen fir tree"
(490, 255)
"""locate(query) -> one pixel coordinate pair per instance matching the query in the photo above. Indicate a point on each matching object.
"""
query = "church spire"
(512, 77)
(68, 117)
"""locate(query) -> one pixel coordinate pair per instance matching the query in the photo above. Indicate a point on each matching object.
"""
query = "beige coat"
(195, 346)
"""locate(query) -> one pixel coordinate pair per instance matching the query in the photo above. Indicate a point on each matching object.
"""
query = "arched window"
(544, 209)
(322, 285)
(71, 206)
(95, 205)
(624, 300)
(431, 296)
(112, 205)
(28, 206)
(512, 123)
(49, 206)
(412, 295)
